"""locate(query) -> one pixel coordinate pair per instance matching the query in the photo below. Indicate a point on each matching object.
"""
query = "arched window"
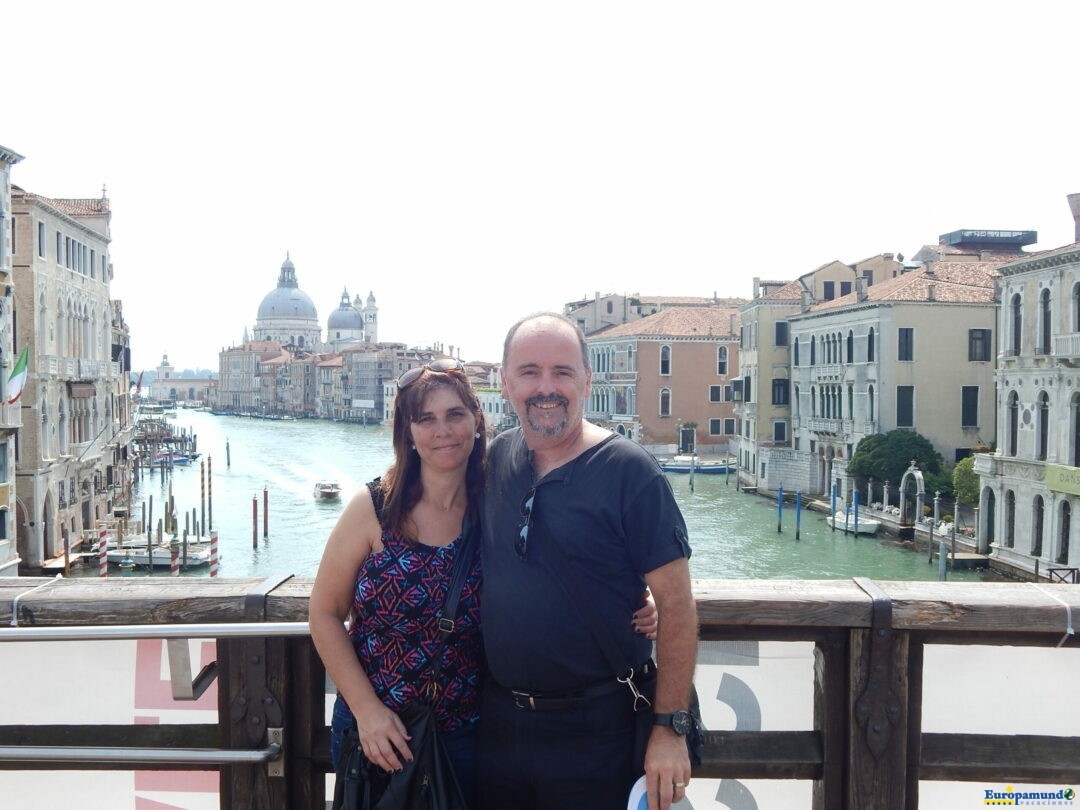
(870, 345)
(721, 360)
(631, 359)
(870, 403)
(610, 308)
(1044, 322)
(665, 360)
(665, 402)
(1063, 535)
(813, 350)
(1037, 527)
(1014, 421)
(851, 401)
(796, 351)
(1016, 324)
(813, 401)
(1010, 518)
(850, 347)
(1076, 308)
(1044, 424)
(795, 403)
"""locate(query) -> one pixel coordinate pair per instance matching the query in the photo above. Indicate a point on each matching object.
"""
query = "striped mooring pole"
(213, 554)
(103, 555)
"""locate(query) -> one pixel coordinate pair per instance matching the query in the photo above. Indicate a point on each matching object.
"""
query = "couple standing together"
(528, 704)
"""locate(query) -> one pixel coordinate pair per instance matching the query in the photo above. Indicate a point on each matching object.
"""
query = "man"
(557, 729)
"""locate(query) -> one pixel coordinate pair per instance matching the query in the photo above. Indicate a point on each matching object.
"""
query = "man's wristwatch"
(680, 722)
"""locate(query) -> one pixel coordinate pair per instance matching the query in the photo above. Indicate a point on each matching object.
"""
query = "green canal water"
(733, 534)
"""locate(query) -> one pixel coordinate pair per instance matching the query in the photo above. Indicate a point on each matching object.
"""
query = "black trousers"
(588, 756)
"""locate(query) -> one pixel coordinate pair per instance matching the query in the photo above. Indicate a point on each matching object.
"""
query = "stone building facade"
(10, 416)
(74, 405)
(1029, 503)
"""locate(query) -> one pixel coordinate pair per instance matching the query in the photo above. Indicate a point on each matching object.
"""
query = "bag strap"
(460, 573)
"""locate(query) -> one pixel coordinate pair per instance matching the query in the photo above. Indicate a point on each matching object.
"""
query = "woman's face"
(444, 431)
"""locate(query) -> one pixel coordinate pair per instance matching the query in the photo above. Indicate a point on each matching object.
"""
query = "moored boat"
(682, 464)
(846, 522)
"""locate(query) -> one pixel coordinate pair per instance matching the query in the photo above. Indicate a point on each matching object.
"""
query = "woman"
(391, 575)
(380, 662)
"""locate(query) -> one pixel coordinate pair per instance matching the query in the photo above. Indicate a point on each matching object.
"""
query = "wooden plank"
(305, 724)
(877, 736)
(941, 607)
(785, 603)
(108, 736)
(761, 755)
(831, 719)
(1001, 759)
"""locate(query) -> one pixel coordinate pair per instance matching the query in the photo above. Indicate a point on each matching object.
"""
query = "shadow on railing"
(866, 747)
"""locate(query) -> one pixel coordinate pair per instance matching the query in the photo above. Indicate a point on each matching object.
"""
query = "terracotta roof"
(953, 283)
(792, 291)
(680, 322)
(688, 300)
(331, 361)
(72, 206)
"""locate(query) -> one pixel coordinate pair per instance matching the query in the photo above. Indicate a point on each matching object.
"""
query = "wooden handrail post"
(878, 724)
(252, 692)
(831, 718)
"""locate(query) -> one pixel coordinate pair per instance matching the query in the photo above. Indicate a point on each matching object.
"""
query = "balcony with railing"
(10, 416)
(1067, 348)
(833, 371)
(829, 427)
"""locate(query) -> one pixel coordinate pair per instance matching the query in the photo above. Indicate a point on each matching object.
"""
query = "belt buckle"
(524, 700)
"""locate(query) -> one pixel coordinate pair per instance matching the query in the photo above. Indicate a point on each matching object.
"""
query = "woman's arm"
(355, 535)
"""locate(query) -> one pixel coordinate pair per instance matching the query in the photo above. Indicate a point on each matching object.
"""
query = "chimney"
(1074, 204)
(860, 289)
(805, 301)
(931, 292)
(757, 286)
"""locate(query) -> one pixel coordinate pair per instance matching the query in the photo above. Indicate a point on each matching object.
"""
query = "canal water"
(733, 534)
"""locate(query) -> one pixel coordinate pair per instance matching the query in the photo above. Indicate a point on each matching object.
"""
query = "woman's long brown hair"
(401, 483)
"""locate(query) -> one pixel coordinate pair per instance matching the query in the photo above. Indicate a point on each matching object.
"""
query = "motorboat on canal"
(845, 521)
(327, 491)
(683, 463)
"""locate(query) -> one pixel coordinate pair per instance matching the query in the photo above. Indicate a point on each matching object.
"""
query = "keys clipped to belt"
(640, 701)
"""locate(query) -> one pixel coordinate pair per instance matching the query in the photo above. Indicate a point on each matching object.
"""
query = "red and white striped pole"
(174, 560)
(213, 554)
(103, 555)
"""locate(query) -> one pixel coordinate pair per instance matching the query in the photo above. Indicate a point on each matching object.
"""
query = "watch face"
(681, 723)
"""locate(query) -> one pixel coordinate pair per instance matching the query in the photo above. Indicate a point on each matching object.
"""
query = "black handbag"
(428, 782)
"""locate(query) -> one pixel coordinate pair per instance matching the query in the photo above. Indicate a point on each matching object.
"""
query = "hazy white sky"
(471, 162)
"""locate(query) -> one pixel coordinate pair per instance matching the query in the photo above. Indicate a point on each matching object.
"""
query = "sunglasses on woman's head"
(444, 366)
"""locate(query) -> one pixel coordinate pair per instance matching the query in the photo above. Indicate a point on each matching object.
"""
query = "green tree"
(965, 481)
(885, 457)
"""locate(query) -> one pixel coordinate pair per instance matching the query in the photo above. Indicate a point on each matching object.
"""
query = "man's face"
(545, 378)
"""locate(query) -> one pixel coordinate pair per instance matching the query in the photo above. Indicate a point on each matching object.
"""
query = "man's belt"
(560, 701)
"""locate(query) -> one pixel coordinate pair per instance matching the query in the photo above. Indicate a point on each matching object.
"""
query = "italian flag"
(18, 377)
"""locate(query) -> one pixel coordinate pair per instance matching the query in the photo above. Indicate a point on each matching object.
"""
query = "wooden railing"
(866, 747)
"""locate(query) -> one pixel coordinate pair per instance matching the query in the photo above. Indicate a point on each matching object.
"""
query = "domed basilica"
(287, 315)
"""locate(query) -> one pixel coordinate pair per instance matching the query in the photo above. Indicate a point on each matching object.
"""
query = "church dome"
(345, 316)
(288, 300)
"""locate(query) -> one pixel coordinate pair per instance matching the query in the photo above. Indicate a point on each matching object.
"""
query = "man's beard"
(547, 429)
